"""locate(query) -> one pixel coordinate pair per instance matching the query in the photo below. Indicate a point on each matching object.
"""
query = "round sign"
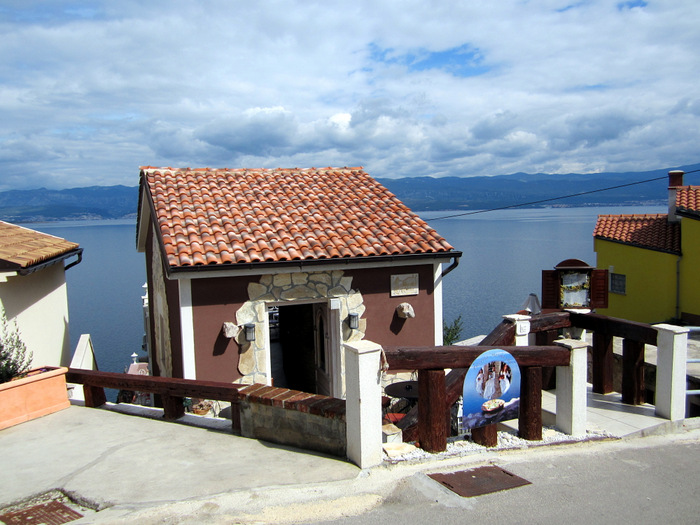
(491, 390)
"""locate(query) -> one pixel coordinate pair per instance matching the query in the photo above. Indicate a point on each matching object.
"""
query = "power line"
(554, 198)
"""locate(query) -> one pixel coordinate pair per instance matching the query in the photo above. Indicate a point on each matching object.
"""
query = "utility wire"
(554, 198)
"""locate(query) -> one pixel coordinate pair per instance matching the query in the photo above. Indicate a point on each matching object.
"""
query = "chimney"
(675, 181)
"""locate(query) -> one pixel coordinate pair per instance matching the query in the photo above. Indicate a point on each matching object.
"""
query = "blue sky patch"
(630, 4)
(462, 61)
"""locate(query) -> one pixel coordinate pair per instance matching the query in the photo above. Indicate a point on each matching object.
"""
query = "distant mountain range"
(94, 202)
(418, 193)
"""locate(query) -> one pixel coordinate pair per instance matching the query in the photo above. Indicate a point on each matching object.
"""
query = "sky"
(92, 90)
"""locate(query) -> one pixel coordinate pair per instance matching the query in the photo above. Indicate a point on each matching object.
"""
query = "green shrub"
(452, 332)
(14, 361)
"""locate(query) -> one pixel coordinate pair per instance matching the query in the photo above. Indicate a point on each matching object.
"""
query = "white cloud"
(408, 88)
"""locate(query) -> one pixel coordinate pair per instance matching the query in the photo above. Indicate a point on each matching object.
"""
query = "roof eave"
(688, 213)
(636, 245)
(54, 260)
(305, 265)
(144, 213)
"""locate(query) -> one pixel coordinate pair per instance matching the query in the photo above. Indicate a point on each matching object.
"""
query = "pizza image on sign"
(492, 405)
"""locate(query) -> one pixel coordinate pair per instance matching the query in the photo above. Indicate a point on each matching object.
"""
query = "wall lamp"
(353, 321)
(249, 331)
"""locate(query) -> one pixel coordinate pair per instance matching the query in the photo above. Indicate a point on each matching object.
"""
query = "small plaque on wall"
(405, 284)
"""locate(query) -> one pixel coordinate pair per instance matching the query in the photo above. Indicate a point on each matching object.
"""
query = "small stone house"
(33, 291)
(653, 259)
(261, 275)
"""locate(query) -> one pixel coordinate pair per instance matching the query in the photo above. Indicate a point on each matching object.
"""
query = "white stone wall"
(300, 287)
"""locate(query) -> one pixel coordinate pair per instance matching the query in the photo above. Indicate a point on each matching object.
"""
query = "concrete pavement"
(108, 459)
(637, 481)
(136, 470)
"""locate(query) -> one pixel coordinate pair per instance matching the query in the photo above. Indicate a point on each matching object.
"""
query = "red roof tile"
(224, 216)
(21, 247)
(688, 200)
(653, 231)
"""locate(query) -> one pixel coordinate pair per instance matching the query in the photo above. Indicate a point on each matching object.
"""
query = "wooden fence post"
(602, 363)
(632, 372)
(530, 414)
(432, 427)
(173, 407)
(485, 436)
(94, 396)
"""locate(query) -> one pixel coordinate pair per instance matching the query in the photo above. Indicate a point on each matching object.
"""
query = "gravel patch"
(463, 446)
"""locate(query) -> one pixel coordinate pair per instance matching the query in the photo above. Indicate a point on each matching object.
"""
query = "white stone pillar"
(571, 389)
(522, 328)
(671, 356)
(363, 413)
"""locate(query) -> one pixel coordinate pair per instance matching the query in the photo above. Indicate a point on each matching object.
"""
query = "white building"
(33, 290)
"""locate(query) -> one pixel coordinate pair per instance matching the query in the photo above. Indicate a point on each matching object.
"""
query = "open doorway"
(300, 348)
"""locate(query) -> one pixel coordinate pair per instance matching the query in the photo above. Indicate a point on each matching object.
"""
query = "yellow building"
(653, 260)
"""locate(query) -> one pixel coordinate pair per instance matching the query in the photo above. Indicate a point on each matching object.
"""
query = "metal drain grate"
(478, 481)
(49, 513)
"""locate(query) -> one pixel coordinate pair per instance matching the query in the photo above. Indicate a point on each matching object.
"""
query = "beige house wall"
(38, 302)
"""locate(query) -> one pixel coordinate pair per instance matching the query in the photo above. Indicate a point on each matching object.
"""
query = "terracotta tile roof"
(688, 200)
(653, 231)
(230, 216)
(21, 247)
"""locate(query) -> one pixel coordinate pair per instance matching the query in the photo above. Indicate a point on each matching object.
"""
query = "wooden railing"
(546, 328)
(172, 391)
(433, 404)
(634, 336)
(503, 334)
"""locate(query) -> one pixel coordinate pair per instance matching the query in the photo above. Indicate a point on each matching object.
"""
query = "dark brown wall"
(215, 301)
(383, 325)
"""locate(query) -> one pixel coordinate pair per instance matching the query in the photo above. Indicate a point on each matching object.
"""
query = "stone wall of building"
(292, 287)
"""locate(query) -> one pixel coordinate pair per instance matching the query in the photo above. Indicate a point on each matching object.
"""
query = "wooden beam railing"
(171, 390)
(635, 335)
(433, 402)
(503, 334)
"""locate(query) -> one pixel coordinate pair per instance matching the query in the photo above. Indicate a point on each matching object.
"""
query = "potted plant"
(202, 407)
(26, 393)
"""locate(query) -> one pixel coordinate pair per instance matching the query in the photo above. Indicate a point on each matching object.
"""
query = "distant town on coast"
(418, 193)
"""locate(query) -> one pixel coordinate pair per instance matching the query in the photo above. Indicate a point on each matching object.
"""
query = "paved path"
(137, 470)
(111, 459)
(646, 480)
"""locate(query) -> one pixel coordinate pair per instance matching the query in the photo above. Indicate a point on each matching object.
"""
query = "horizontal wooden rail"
(172, 390)
(549, 321)
(431, 358)
(156, 385)
(611, 326)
